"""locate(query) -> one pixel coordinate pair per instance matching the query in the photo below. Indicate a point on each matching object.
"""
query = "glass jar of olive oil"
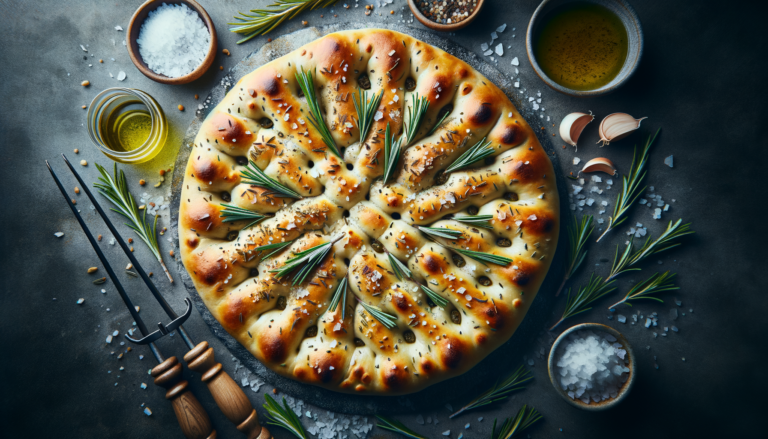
(127, 125)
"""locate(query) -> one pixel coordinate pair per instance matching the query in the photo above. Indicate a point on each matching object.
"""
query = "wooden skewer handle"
(194, 421)
(227, 394)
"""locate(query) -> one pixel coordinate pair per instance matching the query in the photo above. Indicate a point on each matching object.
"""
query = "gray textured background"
(702, 79)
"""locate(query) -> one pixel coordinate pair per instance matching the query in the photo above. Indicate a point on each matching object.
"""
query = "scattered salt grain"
(121, 75)
(500, 49)
(147, 411)
(58, 234)
(173, 40)
(669, 161)
(143, 386)
(80, 301)
(576, 160)
(621, 318)
(515, 61)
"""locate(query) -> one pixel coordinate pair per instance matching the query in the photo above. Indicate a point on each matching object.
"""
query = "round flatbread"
(440, 267)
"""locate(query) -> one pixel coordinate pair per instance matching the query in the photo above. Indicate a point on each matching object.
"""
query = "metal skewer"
(227, 394)
(193, 419)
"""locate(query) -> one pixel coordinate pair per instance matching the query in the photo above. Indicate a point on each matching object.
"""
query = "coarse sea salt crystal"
(173, 40)
(515, 61)
(58, 234)
(499, 49)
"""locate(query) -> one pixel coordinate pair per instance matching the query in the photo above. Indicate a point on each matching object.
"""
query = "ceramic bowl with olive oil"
(584, 47)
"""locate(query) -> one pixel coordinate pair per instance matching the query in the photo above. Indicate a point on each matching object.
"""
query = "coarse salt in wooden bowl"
(134, 27)
(443, 27)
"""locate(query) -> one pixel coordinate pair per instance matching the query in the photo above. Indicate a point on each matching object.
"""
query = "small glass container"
(127, 125)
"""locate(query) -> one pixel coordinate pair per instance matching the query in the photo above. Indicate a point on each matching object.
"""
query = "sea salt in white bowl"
(558, 348)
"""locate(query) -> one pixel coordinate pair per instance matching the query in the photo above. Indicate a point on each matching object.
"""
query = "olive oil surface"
(581, 46)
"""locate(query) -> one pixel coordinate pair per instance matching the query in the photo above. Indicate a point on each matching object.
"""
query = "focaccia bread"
(290, 328)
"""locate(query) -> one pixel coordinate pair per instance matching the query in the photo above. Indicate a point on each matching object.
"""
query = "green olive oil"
(581, 46)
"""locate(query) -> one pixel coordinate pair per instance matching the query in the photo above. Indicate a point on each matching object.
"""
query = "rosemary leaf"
(398, 427)
(658, 283)
(115, 189)
(304, 262)
(391, 154)
(630, 186)
(439, 122)
(283, 417)
(365, 110)
(235, 213)
(277, 247)
(501, 390)
(388, 320)
(483, 257)
(307, 84)
(251, 174)
(578, 234)
(401, 270)
(442, 232)
(664, 242)
(515, 425)
(479, 151)
(438, 299)
(416, 113)
(340, 296)
(262, 21)
(476, 220)
(579, 302)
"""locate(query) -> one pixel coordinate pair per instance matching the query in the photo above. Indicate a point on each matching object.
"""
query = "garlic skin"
(572, 125)
(600, 164)
(617, 126)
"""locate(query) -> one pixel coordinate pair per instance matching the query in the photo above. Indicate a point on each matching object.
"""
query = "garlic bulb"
(617, 126)
(600, 164)
(572, 126)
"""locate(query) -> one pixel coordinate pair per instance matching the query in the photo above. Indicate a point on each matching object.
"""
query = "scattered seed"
(142, 182)
(100, 281)
(85, 83)
(170, 252)
(181, 107)
(92, 270)
(77, 151)
(225, 52)
(83, 163)
(77, 190)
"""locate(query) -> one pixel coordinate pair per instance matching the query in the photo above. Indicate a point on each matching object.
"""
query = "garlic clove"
(600, 164)
(617, 126)
(572, 125)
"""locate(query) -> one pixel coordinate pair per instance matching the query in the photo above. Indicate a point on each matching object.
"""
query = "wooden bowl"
(625, 388)
(628, 18)
(443, 27)
(133, 47)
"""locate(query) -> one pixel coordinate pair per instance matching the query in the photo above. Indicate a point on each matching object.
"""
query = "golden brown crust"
(290, 328)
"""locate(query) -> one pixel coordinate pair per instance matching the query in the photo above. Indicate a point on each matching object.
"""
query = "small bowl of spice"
(592, 366)
(584, 47)
(171, 41)
(445, 15)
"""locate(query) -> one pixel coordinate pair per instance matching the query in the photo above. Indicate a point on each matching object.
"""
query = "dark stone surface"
(701, 79)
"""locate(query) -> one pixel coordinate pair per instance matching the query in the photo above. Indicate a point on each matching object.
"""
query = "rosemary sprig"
(579, 302)
(304, 262)
(439, 122)
(115, 189)
(500, 391)
(438, 299)
(307, 84)
(283, 417)
(476, 220)
(401, 270)
(629, 258)
(235, 213)
(658, 283)
(262, 21)
(515, 425)
(340, 296)
(251, 174)
(578, 233)
(391, 154)
(441, 232)
(388, 320)
(416, 113)
(277, 247)
(479, 151)
(483, 257)
(398, 427)
(630, 186)
(365, 110)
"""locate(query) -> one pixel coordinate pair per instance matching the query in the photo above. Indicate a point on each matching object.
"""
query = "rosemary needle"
(277, 247)
(578, 233)
(483, 257)
(304, 262)
(307, 84)
(283, 417)
(501, 390)
(235, 213)
(416, 113)
(388, 320)
(340, 296)
(366, 109)
(251, 174)
(398, 427)
(658, 283)
(391, 154)
(439, 300)
(664, 242)
(476, 220)
(401, 270)
(515, 425)
(115, 189)
(441, 232)
(262, 21)
(630, 186)
(477, 152)
(580, 301)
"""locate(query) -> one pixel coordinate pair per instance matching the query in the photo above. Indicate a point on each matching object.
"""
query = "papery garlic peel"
(600, 164)
(572, 125)
(617, 126)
